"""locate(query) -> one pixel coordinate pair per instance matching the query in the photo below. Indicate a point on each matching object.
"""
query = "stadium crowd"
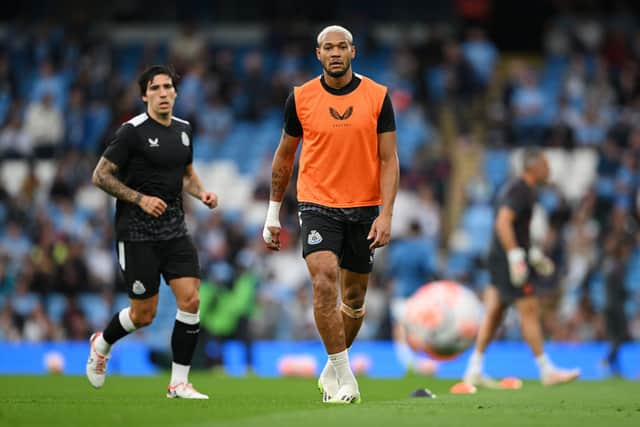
(463, 108)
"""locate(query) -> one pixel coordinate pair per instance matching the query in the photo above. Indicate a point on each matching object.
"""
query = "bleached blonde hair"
(334, 29)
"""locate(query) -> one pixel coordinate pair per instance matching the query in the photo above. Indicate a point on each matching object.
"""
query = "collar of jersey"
(350, 87)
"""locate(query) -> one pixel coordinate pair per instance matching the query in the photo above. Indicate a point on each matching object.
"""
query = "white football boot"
(96, 363)
(346, 394)
(559, 376)
(478, 379)
(328, 382)
(184, 391)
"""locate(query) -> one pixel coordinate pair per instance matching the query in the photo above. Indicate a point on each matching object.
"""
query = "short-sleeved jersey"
(339, 161)
(151, 159)
(518, 196)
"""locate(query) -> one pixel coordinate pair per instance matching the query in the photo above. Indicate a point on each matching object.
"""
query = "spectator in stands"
(72, 275)
(38, 327)
(192, 91)
(76, 121)
(9, 331)
(215, 118)
(15, 142)
(591, 128)
(419, 206)
(255, 96)
(187, 47)
(527, 104)
(45, 126)
(7, 277)
(627, 83)
(459, 82)
(15, 243)
(75, 322)
(49, 82)
(482, 54)
(226, 305)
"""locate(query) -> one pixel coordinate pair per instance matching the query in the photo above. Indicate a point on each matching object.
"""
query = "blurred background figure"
(618, 247)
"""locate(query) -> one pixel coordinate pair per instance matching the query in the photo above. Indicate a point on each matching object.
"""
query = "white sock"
(476, 363)
(328, 372)
(544, 364)
(188, 318)
(125, 319)
(102, 346)
(179, 373)
(340, 362)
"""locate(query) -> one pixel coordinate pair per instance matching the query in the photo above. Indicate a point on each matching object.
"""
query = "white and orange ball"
(442, 319)
(54, 362)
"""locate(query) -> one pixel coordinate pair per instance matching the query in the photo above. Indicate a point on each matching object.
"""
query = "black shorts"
(348, 240)
(501, 279)
(143, 262)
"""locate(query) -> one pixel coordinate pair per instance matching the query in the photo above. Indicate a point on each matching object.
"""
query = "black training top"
(519, 197)
(293, 127)
(151, 159)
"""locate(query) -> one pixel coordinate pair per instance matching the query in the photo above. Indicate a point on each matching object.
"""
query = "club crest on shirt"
(314, 237)
(185, 139)
(138, 288)
(153, 142)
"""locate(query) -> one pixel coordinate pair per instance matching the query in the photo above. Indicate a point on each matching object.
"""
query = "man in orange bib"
(347, 183)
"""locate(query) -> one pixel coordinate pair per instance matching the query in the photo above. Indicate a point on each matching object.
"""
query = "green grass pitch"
(140, 402)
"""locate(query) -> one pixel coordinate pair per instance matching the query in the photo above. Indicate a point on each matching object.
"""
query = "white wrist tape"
(516, 255)
(518, 269)
(272, 220)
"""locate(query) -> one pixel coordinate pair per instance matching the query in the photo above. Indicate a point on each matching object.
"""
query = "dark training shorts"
(500, 278)
(348, 240)
(142, 263)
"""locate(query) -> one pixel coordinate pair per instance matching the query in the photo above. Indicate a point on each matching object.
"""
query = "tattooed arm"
(105, 179)
(283, 165)
(280, 174)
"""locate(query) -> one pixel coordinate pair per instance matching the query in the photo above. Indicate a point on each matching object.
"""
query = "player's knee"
(353, 298)
(325, 292)
(191, 304)
(528, 311)
(354, 311)
(142, 316)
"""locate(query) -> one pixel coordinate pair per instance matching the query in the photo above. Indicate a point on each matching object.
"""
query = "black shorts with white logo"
(501, 279)
(142, 263)
(348, 240)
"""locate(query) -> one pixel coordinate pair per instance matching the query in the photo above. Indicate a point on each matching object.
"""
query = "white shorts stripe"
(121, 255)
